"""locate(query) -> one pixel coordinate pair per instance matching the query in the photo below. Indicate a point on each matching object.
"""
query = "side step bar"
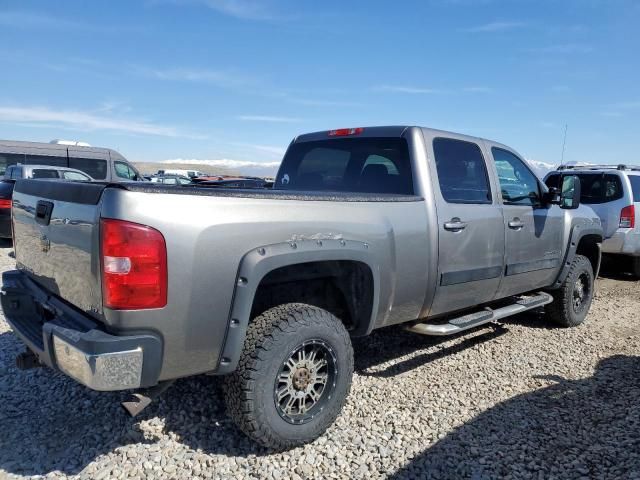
(520, 304)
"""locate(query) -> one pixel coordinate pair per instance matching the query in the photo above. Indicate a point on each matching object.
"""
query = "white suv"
(614, 194)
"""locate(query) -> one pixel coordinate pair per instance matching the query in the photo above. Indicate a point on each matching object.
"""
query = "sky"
(237, 80)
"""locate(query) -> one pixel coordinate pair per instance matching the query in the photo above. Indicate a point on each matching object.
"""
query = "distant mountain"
(541, 168)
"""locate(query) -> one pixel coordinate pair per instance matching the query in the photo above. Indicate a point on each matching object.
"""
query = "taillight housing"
(134, 265)
(628, 217)
(5, 203)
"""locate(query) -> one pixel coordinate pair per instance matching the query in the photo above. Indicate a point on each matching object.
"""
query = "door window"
(518, 185)
(54, 161)
(462, 173)
(124, 171)
(44, 173)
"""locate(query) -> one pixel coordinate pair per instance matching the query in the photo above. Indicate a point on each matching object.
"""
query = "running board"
(520, 304)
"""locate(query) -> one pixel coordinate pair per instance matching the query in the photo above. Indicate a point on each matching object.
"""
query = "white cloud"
(36, 20)
(242, 9)
(406, 89)
(541, 168)
(267, 119)
(496, 27)
(83, 121)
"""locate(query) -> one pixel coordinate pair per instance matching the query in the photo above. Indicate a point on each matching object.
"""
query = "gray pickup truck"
(131, 286)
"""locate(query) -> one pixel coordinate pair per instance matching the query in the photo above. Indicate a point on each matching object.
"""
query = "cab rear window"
(367, 165)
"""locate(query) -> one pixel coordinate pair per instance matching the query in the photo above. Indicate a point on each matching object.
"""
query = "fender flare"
(577, 234)
(257, 263)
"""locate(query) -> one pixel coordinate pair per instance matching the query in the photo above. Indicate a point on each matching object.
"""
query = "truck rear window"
(635, 186)
(367, 165)
(595, 187)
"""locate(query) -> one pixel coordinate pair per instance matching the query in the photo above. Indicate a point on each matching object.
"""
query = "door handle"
(516, 224)
(455, 225)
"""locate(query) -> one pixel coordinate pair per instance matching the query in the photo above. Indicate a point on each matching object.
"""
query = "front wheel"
(293, 377)
(571, 302)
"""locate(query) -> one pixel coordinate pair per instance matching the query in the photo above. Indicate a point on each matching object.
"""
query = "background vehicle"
(171, 179)
(186, 173)
(15, 172)
(365, 228)
(6, 192)
(237, 183)
(99, 163)
(614, 194)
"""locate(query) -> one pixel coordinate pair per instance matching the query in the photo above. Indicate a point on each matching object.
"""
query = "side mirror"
(570, 192)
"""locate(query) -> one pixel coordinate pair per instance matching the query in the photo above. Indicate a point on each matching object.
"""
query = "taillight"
(344, 132)
(134, 266)
(628, 217)
(5, 203)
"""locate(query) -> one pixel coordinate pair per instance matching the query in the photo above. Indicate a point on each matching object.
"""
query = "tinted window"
(91, 166)
(635, 186)
(594, 187)
(42, 173)
(371, 165)
(74, 176)
(123, 171)
(7, 159)
(16, 173)
(518, 185)
(54, 161)
(462, 173)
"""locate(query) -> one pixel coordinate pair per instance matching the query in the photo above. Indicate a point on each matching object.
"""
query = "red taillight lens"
(5, 203)
(134, 266)
(344, 132)
(628, 217)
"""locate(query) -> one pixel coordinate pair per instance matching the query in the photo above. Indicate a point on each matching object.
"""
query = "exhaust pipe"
(141, 399)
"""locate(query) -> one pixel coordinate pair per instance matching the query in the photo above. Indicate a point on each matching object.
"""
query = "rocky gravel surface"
(521, 400)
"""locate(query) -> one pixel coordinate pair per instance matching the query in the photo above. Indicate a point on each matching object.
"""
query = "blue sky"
(238, 79)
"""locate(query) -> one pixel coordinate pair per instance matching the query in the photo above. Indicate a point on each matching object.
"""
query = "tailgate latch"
(43, 212)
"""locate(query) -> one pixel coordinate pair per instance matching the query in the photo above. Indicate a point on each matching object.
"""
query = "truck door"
(533, 231)
(470, 226)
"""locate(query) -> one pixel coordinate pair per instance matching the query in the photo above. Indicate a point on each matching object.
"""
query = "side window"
(44, 173)
(93, 167)
(45, 160)
(462, 172)
(170, 181)
(74, 176)
(518, 185)
(17, 173)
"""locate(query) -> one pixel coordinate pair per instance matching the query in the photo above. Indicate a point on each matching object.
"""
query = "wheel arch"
(583, 241)
(258, 264)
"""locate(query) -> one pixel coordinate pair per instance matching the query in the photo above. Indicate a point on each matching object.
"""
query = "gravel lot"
(524, 400)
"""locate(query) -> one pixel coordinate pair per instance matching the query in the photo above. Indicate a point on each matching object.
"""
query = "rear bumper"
(625, 241)
(76, 344)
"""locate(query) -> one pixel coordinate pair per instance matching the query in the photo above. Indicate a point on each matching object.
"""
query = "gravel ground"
(523, 400)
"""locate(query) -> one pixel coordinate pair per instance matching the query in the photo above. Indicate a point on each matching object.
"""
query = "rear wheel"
(571, 302)
(293, 377)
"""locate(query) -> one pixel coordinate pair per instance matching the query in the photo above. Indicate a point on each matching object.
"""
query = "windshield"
(368, 165)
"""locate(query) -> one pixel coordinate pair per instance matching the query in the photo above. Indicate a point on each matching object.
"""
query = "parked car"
(184, 173)
(102, 164)
(171, 179)
(364, 228)
(15, 172)
(236, 183)
(613, 191)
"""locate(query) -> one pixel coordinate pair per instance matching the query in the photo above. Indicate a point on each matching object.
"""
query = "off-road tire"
(561, 310)
(271, 337)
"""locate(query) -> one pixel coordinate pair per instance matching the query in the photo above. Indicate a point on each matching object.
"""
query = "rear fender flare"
(260, 261)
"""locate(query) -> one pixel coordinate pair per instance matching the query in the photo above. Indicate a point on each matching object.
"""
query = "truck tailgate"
(56, 238)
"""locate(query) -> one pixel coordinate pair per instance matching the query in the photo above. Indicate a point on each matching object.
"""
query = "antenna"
(564, 143)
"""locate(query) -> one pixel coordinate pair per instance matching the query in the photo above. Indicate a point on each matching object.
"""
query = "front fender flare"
(577, 233)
